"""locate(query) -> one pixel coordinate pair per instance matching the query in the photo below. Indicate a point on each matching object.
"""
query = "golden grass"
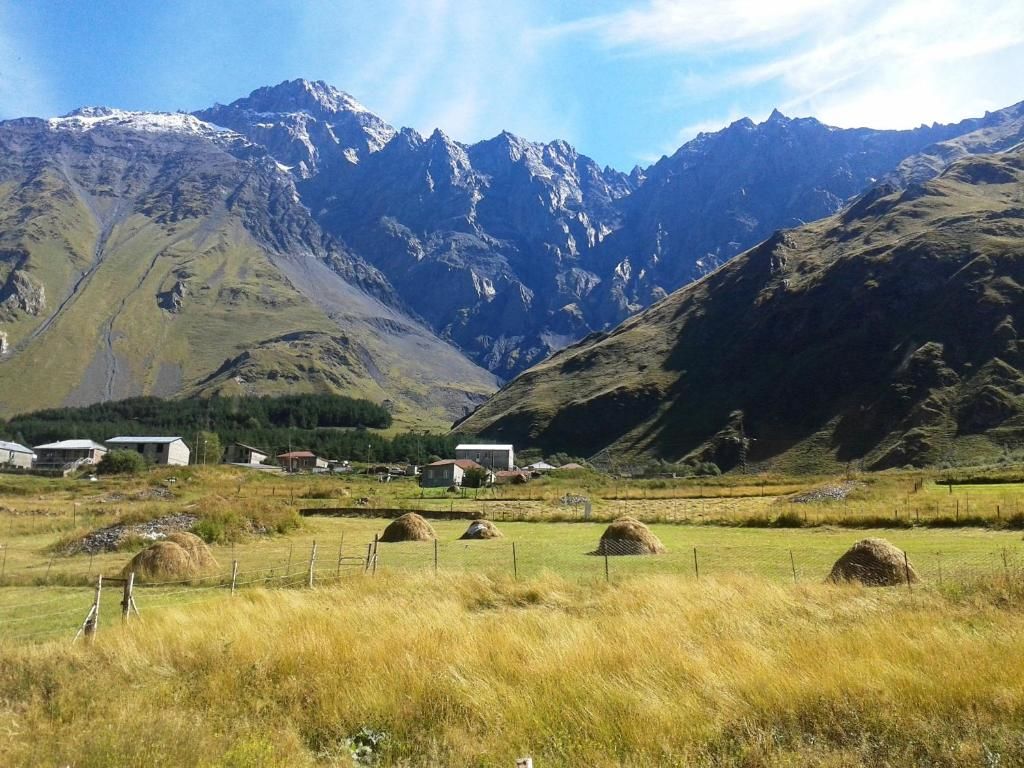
(467, 670)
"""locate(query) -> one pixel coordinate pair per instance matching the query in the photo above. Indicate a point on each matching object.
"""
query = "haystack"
(162, 561)
(481, 529)
(408, 527)
(196, 548)
(874, 563)
(628, 536)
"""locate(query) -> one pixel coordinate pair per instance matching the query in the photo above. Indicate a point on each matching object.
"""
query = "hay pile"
(408, 527)
(873, 563)
(481, 529)
(196, 549)
(627, 536)
(162, 561)
(180, 556)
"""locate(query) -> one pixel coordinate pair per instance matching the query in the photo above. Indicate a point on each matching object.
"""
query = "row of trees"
(329, 425)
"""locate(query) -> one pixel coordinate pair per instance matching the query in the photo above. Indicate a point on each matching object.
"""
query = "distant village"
(474, 464)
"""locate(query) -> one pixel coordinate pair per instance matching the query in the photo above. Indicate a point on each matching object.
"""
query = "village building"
(68, 454)
(16, 455)
(301, 461)
(506, 476)
(164, 451)
(541, 466)
(495, 457)
(240, 453)
(447, 472)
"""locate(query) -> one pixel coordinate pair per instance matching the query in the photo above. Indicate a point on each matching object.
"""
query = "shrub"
(474, 478)
(121, 463)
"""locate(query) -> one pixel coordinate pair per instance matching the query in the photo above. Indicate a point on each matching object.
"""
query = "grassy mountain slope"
(886, 333)
(141, 262)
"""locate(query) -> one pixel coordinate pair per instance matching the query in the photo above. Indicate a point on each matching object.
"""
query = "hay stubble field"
(746, 659)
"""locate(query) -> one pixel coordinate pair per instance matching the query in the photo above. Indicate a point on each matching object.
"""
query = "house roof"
(483, 447)
(462, 463)
(509, 473)
(541, 465)
(71, 445)
(14, 447)
(253, 448)
(297, 455)
(121, 439)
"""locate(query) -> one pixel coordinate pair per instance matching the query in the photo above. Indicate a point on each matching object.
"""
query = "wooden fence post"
(92, 619)
(341, 547)
(376, 541)
(607, 574)
(369, 554)
(792, 562)
(126, 598)
(312, 565)
(435, 555)
(906, 569)
(515, 563)
(696, 567)
(234, 575)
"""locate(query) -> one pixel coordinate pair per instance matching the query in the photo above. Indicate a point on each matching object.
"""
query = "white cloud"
(889, 64)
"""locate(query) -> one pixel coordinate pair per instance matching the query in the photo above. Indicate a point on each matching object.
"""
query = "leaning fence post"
(341, 548)
(607, 575)
(696, 567)
(126, 599)
(369, 554)
(792, 562)
(234, 575)
(376, 540)
(312, 565)
(906, 569)
(515, 562)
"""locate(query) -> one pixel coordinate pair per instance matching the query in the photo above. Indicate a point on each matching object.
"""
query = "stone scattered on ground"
(830, 492)
(156, 493)
(109, 539)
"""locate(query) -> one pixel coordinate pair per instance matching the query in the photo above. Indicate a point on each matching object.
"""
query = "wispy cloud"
(864, 62)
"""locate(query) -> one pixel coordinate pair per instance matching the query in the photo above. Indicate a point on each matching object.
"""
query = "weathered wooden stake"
(906, 569)
(792, 562)
(696, 568)
(376, 540)
(288, 568)
(126, 598)
(341, 548)
(435, 555)
(92, 624)
(369, 554)
(607, 575)
(312, 566)
(515, 563)
(50, 564)
(234, 575)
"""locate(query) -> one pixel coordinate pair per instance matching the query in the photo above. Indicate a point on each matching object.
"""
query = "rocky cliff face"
(158, 254)
(512, 249)
(885, 334)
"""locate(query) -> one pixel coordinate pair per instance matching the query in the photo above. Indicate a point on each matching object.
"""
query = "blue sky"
(625, 82)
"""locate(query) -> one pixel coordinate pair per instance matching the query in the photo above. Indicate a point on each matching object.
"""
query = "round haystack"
(161, 561)
(408, 527)
(196, 548)
(628, 536)
(873, 563)
(481, 529)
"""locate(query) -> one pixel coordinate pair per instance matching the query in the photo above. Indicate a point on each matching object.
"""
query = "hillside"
(157, 254)
(512, 248)
(886, 334)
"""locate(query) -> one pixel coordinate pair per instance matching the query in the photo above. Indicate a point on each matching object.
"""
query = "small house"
(162, 451)
(541, 466)
(16, 455)
(240, 453)
(493, 456)
(446, 473)
(67, 455)
(301, 461)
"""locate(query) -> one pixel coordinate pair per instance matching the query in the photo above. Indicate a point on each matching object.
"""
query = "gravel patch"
(108, 539)
(831, 492)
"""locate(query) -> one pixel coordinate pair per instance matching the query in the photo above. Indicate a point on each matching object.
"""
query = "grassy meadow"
(727, 650)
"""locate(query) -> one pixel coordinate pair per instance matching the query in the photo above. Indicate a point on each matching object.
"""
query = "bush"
(121, 463)
(474, 478)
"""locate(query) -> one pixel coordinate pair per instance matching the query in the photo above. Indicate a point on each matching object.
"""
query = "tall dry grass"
(472, 671)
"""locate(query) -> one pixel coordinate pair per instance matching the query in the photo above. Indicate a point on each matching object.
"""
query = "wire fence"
(31, 614)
